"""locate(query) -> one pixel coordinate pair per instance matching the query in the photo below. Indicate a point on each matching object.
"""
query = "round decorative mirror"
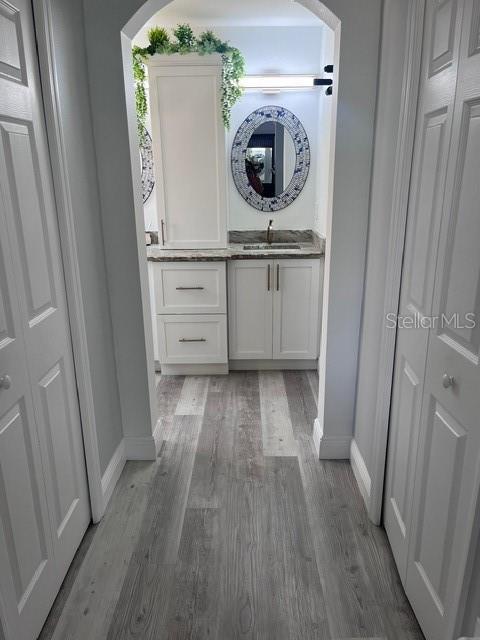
(270, 158)
(146, 160)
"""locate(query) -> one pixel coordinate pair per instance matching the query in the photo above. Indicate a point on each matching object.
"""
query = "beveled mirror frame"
(302, 157)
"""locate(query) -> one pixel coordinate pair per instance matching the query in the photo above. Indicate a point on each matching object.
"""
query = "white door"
(189, 149)
(43, 492)
(250, 290)
(448, 463)
(296, 309)
(434, 123)
(434, 457)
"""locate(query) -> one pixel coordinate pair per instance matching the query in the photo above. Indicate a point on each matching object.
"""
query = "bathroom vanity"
(250, 305)
(238, 299)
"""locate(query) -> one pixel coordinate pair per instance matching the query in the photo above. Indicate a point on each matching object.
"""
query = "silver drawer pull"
(192, 340)
(189, 288)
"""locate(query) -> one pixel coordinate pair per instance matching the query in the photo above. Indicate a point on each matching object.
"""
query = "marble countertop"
(312, 246)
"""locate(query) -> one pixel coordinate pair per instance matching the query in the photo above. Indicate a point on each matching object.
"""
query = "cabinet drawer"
(192, 339)
(191, 287)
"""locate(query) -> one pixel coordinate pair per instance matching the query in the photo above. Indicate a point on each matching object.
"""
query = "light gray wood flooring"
(236, 531)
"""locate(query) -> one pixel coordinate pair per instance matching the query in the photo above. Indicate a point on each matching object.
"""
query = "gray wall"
(122, 219)
(69, 43)
(122, 210)
(395, 25)
(357, 70)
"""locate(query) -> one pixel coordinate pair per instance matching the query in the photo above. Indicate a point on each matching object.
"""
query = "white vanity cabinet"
(190, 316)
(274, 309)
(296, 322)
(250, 309)
(189, 148)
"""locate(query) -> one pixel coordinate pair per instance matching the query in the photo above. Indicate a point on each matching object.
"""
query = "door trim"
(396, 242)
(50, 92)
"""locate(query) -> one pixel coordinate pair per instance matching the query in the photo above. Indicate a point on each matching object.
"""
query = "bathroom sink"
(270, 247)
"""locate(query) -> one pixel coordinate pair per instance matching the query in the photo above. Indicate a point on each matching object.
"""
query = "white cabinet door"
(189, 150)
(296, 309)
(44, 508)
(250, 309)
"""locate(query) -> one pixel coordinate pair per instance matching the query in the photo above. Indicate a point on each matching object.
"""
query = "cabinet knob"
(447, 381)
(5, 382)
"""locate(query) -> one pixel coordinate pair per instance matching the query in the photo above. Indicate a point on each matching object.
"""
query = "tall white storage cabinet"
(189, 150)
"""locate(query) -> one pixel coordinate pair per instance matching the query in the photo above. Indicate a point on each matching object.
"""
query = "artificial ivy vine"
(184, 41)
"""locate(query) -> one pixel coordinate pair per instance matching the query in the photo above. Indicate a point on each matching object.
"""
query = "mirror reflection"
(270, 159)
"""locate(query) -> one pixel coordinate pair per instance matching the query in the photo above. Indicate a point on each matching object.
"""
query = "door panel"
(29, 215)
(443, 465)
(460, 286)
(474, 43)
(443, 39)
(432, 139)
(195, 181)
(61, 450)
(44, 508)
(12, 60)
(20, 504)
(438, 478)
(296, 309)
(446, 478)
(250, 290)
(426, 214)
(406, 409)
(7, 330)
(27, 564)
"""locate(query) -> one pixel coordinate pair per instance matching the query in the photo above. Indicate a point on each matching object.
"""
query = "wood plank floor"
(237, 531)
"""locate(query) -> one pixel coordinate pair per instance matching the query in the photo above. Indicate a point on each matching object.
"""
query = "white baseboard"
(477, 628)
(157, 436)
(140, 448)
(360, 472)
(330, 447)
(317, 435)
(208, 369)
(272, 365)
(113, 472)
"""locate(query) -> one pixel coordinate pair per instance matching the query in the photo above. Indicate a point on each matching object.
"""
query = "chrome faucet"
(269, 232)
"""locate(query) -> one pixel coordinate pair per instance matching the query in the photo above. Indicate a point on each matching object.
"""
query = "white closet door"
(27, 564)
(448, 464)
(44, 507)
(434, 124)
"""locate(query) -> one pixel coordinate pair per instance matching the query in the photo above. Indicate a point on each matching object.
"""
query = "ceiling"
(239, 13)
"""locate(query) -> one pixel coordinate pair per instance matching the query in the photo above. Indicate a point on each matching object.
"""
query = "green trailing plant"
(183, 42)
(139, 76)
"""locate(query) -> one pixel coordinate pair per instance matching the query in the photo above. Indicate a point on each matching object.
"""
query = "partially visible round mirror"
(270, 158)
